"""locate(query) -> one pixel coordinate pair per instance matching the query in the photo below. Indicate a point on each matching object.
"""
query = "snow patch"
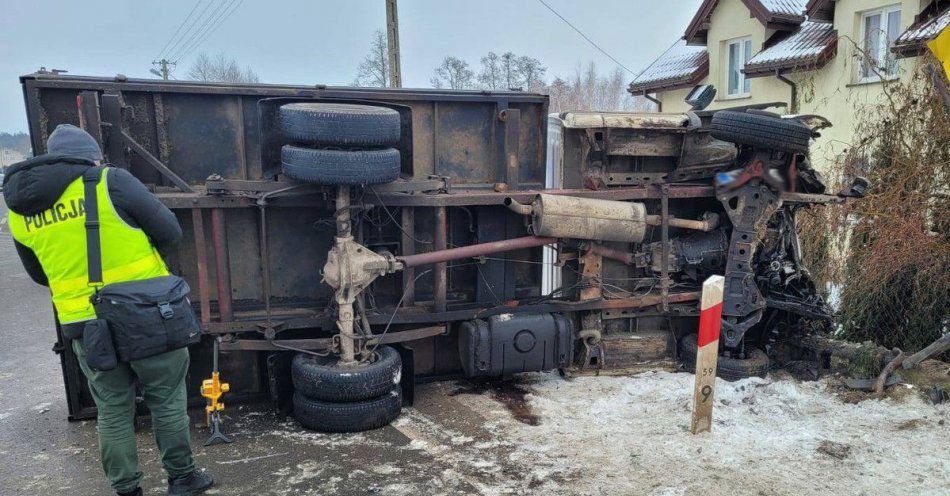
(630, 435)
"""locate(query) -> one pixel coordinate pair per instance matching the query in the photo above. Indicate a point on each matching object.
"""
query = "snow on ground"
(630, 435)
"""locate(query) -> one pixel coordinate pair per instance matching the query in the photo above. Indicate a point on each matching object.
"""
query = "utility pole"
(164, 63)
(392, 34)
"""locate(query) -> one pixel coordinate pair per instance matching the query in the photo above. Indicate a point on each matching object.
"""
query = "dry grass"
(890, 252)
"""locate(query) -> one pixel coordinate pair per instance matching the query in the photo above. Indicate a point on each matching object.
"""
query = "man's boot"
(187, 485)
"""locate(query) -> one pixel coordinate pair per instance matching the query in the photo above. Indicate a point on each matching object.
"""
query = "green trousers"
(162, 379)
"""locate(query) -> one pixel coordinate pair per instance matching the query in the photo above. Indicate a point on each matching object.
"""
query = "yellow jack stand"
(213, 389)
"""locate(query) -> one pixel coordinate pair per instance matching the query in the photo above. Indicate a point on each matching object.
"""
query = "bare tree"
(374, 70)
(220, 68)
(507, 71)
(589, 90)
(529, 73)
(453, 73)
(490, 77)
(561, 95)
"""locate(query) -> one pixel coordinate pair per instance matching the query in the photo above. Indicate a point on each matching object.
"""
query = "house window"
(738, 53)
(879, 29)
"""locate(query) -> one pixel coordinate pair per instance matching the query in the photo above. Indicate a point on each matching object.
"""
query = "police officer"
(46, 218)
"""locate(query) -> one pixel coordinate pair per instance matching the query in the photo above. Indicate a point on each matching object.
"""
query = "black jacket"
(34, 185)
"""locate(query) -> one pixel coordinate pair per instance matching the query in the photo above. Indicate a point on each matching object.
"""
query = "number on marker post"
(707, 353)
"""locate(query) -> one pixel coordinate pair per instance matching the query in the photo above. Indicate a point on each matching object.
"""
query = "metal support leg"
(665, 239)
(201, 259)
(409, 248)
(441, 280)
(222, 263)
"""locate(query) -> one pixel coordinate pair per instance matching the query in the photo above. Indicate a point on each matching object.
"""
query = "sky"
(323, 41)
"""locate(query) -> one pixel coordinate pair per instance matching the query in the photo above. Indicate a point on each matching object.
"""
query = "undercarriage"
(388, 237)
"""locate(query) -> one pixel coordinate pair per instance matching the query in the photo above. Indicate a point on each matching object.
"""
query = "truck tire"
(761, 131)
(340, 124)
(321, 378)
(335, 167)
(325, 416)
(756, 363)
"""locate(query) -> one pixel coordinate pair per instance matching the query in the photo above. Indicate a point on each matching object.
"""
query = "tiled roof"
(809, 46)
(681, 67)
(926, 28)
(773, 14)
(784, 7)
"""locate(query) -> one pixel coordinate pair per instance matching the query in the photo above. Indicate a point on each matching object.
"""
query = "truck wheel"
(761, 131)
(756, 363)
(325, 416)
(339, 124)
(321, 378)
(334, 167)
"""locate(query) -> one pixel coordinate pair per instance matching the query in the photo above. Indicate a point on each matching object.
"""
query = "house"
(827, 57)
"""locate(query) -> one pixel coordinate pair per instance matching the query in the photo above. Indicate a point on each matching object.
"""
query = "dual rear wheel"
(330, 397)
(343, 144)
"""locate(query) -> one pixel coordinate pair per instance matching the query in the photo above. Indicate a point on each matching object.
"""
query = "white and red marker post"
(707, 353)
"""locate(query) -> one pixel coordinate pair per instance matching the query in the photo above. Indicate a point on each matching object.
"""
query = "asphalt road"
(41, 453)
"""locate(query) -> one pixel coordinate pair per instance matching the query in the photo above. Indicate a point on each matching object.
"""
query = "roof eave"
(770, 19)
(813, 8)
(698, 23)
(698, 39)
(910, 49)
(698, 27)
(783, 22)
(811, 63)
(672, 83)
(667, 85)
(918, 42)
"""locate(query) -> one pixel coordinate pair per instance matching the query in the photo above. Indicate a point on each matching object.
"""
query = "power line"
(193, 9)
(595, 45)
(223, 19)
(209, 21)
(188, 30)
(645, 69)
(214, 27)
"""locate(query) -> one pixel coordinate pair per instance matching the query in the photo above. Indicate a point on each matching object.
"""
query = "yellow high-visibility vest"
(58, 238)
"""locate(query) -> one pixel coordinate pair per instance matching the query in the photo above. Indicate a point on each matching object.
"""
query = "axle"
(472, 251)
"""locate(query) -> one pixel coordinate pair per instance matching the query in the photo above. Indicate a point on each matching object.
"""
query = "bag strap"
(90, 180)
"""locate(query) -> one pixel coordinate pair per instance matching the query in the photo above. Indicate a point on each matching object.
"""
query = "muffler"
(561, 216)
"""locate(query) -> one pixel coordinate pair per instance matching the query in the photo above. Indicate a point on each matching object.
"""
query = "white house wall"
(831, 91)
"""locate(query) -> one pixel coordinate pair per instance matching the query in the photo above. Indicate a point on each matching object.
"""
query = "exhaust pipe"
(518, 208)
(710, 221)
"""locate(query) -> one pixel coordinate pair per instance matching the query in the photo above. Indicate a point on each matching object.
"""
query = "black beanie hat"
(70, 140)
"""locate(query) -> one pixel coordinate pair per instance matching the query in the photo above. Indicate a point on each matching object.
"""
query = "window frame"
(743, 57)
(884, 44)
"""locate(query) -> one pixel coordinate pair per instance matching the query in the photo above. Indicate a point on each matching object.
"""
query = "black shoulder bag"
(146, 317)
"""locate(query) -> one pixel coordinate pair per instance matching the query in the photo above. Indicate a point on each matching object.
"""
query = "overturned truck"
(344, 243)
